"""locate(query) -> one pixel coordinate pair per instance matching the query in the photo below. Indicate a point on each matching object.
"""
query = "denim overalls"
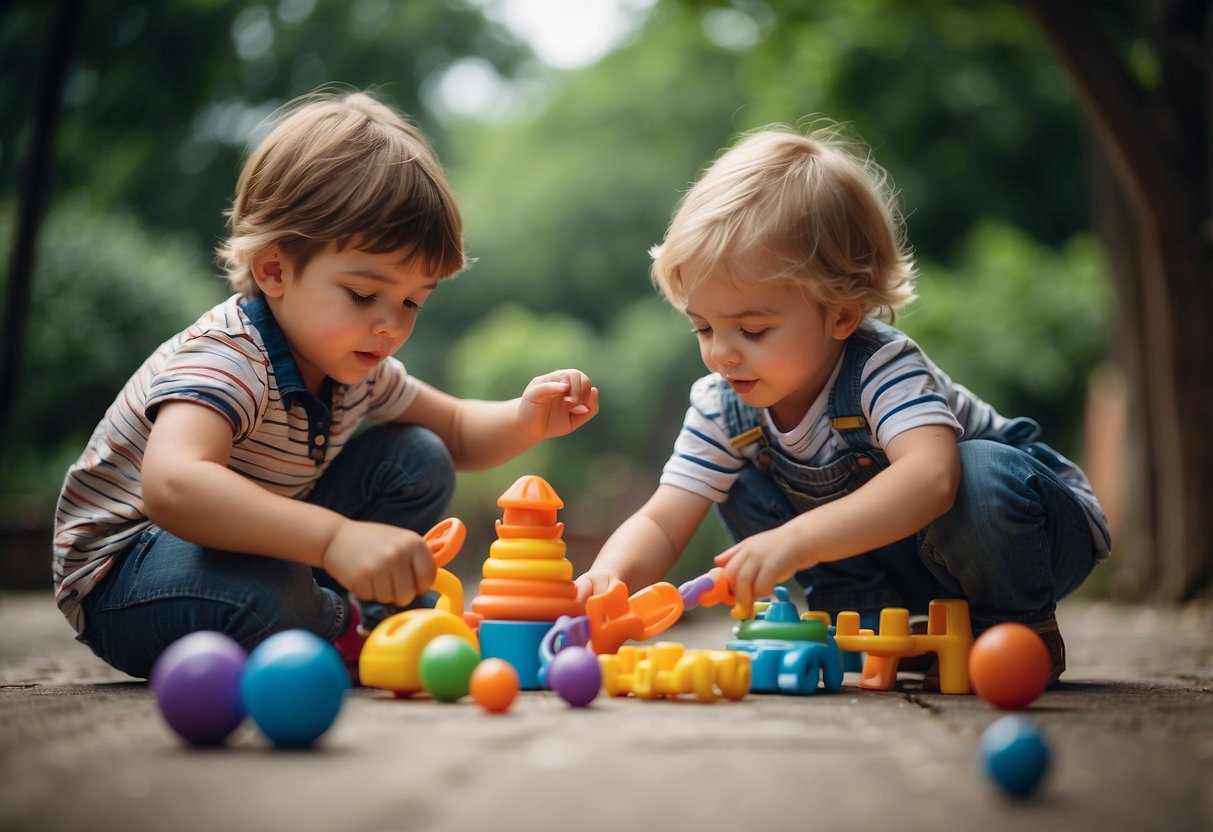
(1015, 541)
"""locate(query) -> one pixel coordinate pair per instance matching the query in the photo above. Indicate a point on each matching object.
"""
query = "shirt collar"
(282, 361)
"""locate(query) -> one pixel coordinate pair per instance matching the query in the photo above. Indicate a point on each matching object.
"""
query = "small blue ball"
(1016, 755)
(293, 687)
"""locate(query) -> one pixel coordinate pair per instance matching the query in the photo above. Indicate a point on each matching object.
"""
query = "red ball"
(1009, 665)
(494, 684)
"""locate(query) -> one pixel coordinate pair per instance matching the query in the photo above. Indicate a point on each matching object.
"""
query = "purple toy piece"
(568, 631)
(694, 588)
(574, 674)
(196, 682)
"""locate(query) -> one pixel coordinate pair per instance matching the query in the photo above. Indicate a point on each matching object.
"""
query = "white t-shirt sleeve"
(703, 461)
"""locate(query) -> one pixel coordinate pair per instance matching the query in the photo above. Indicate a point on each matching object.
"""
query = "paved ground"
(83, 748)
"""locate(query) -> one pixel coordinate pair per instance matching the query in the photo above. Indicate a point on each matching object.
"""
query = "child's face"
(345, 311)
(774, 344)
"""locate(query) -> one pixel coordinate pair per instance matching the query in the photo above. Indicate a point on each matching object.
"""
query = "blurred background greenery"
(568, 164)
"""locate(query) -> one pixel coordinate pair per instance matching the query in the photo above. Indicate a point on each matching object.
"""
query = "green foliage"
(1021, 324)
(105, 294)
(961, 101)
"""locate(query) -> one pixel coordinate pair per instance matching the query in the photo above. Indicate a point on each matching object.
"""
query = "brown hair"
(343, 168)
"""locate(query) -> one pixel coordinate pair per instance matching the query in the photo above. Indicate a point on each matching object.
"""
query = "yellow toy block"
(949, 636)
(667, 669)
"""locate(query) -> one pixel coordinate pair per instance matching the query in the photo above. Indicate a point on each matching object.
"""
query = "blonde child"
(226, 487)
(834, 449)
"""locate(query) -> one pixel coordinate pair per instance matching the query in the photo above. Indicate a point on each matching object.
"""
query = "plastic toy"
(710, 589)
(494, 685)
(788, 653)
(1009, 665)
(392, 652)
(517, 642)
(293, 686)
(527, 580)
(196, 681)
(575, 676)
(1015, 755)
(667, 669)
(949, 635)
(614, 617)
(446, 666)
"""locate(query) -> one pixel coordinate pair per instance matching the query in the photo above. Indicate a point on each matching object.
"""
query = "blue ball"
(1016, 755)
(293, 687)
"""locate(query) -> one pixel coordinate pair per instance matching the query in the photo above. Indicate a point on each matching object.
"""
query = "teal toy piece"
(517, 642)
(788, 655)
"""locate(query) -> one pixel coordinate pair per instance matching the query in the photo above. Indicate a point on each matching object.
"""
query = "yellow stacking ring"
(520, 548)
(551, 570)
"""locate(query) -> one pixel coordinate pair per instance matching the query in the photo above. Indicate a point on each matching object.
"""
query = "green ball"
(446, 666)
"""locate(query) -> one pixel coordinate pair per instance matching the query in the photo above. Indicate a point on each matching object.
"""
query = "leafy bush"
(105, 293)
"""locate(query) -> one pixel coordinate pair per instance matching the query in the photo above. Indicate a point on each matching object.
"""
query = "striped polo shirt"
(236, 361)
(902, 389)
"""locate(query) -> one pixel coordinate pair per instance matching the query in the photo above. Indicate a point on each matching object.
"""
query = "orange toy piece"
(949, 636)
(721, 593)
(527, 576)
(494, 685)
(615, 618)
(612, 621)
(1009, 665)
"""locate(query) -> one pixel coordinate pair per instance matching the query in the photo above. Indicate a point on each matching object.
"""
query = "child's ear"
(269, 270)
(844, 319)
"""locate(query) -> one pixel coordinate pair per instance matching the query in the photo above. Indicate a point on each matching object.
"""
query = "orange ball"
(493, 685)
(1009, 665)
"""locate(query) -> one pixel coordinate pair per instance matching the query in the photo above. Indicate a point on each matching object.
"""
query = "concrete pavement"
(83, 747)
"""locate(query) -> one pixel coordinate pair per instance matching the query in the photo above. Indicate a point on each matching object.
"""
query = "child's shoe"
(349, 643)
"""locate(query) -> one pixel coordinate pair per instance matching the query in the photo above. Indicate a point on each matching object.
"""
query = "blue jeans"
(163, 587)
(1015, 542)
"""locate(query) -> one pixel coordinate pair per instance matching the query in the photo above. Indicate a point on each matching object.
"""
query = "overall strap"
(845, 409)
(742, 422)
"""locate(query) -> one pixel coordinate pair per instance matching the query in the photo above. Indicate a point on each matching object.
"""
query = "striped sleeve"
(391, 391)
(901, 389)
(703, 461)
(225, 372)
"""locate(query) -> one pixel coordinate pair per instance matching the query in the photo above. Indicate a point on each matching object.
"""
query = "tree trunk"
(1157, 142)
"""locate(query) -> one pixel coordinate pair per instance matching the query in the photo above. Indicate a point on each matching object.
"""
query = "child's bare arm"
(482, 434)
(189, 491)
(643, 549)
(918, 486)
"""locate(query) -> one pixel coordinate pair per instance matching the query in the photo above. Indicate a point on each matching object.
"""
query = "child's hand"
(558, 403)
(594, 583)
(380, 562)
(758, 564)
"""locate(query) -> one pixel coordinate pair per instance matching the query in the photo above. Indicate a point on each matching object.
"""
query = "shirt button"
(319, 440)
(864, 461)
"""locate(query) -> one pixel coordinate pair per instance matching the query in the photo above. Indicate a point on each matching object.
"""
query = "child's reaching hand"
(759, 563)
(379, 562)
(557, 403)
(594, 583)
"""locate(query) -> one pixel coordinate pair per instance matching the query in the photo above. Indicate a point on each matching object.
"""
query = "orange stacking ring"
(551, 570)
(546, 531)
(519, 608)
(528, 588)
(522, 548)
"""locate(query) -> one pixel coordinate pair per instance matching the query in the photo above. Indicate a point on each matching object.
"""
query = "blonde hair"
(343, 168)
(781, 205)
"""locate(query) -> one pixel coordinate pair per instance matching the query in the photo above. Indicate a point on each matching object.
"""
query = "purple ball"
(196, 682)
(574, 674)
